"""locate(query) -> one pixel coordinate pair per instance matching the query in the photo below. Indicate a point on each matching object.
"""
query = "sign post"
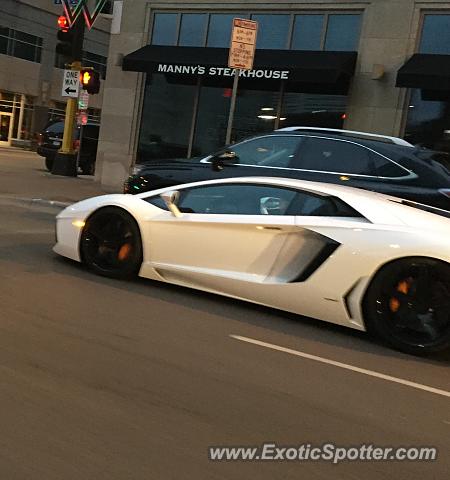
(241, 57)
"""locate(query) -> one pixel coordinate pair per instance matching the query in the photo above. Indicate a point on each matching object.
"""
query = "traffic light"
(66, 38)
(70, 39)
(90, 80)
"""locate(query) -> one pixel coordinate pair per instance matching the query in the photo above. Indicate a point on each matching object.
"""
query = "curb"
(38, 201)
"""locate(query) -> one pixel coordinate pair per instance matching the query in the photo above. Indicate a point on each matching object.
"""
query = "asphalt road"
(103, 379)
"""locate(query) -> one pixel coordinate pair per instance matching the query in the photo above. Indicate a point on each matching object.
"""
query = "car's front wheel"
(408, 305)
(111, 244)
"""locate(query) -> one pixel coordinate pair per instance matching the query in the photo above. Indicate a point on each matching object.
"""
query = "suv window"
(327, 155)
(245, 199)
(57, 127)
(270, 151)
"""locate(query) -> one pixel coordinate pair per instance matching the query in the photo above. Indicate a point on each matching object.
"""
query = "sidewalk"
(24, 176)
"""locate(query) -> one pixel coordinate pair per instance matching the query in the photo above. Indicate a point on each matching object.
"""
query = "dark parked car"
(50, 141)
(387, 165)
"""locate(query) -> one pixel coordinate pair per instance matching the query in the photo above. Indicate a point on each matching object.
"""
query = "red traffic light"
(63, 23)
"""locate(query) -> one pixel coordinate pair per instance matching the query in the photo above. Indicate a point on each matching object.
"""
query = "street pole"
(66, 160)
(232, 106)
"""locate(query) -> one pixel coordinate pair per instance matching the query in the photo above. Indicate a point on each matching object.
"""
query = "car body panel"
(261, 258)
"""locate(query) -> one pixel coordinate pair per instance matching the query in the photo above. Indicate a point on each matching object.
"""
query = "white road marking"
(345, 366)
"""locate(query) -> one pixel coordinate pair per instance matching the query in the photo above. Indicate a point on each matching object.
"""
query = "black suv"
(50, 141)
(383, 164)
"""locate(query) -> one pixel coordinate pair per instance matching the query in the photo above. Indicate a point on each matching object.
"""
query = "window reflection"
(192, 30)
(313, 110)
(273, 31)
(166, 119)
(256, 112)
(165, 29)
(212, 120)
(307, 33)
(343, 32)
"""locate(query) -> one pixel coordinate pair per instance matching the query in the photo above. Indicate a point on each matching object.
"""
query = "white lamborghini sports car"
(334, 253)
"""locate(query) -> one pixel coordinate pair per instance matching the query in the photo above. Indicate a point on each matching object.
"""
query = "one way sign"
(71, 84)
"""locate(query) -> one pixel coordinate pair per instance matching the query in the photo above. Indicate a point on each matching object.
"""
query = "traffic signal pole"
(66, 160)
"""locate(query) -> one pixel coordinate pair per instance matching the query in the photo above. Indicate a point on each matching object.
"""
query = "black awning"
(425, 71)
(308, 71)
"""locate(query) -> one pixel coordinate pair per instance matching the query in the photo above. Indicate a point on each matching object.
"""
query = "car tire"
(111, 244)
(49, 163)
(407, 305)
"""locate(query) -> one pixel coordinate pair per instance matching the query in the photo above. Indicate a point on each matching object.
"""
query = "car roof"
(346, 133)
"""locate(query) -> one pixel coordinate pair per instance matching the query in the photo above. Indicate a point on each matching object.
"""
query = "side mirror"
(222, 159)
(171, 199)
(269, 204)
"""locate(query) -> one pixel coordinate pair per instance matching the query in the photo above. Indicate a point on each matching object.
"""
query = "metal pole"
(232, 106)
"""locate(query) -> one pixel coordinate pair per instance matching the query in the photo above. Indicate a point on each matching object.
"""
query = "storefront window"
(212, 120)
(343, 33)
(273, 31)
(165, 27)
(313, 110)
(428, 122)
(256, 112)
(307, 33)
(219, 34)
(193, 30)
(166, 119)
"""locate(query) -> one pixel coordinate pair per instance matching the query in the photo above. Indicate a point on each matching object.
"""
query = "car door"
(243, 231)
(231, 230)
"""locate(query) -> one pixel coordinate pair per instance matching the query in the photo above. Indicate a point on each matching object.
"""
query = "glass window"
(343, 32)
(269, 151)
(324, 155)
(273, 31)
(220, 25)
(25, 51)
(4, 34)
(436, 34)
(165, 29)
(383, 167)
(237, 200)
(313, 110)
(166, 119)
(212, 120)
(307, 33)
(192, 30)
(256, 112)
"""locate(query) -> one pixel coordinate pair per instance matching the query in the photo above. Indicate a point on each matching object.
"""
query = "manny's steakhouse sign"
(209, 71)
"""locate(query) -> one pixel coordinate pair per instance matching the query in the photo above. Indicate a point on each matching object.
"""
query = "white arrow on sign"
(71, 84)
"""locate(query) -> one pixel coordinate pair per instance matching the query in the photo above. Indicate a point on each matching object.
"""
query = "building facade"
(31, 72)
(380, 66)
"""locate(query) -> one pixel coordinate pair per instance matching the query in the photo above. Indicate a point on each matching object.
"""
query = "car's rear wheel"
(111, 244)
(408, 305)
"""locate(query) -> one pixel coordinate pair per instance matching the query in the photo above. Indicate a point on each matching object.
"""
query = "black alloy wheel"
(408, 305)
(111, 244)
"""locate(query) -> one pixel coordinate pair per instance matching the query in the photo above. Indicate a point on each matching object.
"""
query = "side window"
(383, 167)
(270, 151)
(245, 199)
(326, 155)
(157, 201)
